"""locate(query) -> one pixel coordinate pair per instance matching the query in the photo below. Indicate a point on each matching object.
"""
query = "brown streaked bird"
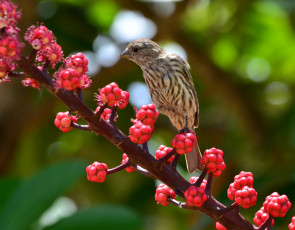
(171, 87)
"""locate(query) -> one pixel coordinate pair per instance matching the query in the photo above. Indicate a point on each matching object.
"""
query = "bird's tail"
(193, 159)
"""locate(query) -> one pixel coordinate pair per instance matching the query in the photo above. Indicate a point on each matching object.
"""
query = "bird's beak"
(125, 54)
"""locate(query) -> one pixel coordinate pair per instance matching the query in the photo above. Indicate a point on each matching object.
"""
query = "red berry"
(10, 48)
(163, 151)
(97, 172)
(220, 226)
(77, 61)
(231, 192)
(124, 160)
(147, 114)
(195, 196)
(63, 121)
(291, 226)
(213, 161)
(246, 197)
(163, 193)
(243, 179)
(125, 99)
(277, 205)
(194, 179)
(31, 82)
(261, 216)
(140, 133)
(184, 142)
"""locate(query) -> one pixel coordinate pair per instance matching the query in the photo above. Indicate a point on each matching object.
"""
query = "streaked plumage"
(171, 87)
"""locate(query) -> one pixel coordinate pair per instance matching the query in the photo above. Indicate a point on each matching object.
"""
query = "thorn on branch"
(100, 111)
(113, 114)
(81, 127)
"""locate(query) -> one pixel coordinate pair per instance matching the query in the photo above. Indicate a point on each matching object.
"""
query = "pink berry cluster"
(184, 142)
(97, 172)
(163, 151)
(242, 191)
(143, 126)
(163, 194)
(72, 75)
(276, 205)
(261, 216)
(10, 45)
(64, 120)
(195, 196)
(124, 160)
(213, 161)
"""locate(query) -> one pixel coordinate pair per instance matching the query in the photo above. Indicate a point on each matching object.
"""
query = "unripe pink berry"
(64, 120)
(97, 172)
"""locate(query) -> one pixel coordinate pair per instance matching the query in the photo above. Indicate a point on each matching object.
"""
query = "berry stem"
(208, 186)
(100, 111)
(166, 157)
(175, 161)
(113, 114)
(266, 224)
(80, 95)
(145, 147)
(17, 74)
(45, 66)
(81, 127)
(32, 56)
(201, 178)
(119, 167)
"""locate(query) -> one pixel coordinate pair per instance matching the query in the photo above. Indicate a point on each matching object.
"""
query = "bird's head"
(142, 51)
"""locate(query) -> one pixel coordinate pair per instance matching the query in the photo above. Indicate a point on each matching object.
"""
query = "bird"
(171, 87)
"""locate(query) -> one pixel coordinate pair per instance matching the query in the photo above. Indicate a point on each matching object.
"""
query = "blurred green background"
(242, 57)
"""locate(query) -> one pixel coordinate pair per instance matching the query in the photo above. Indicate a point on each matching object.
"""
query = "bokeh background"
(242, 57)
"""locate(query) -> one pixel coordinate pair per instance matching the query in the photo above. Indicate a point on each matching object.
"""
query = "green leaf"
(109, 217)
(34, 195)
(7, 185)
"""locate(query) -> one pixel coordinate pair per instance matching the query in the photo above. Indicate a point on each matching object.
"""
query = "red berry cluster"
(195, 196)
(64, 120)
(97, 172)
(124, 160)
(261, 216)
(147, 114)
(220, 226)
(277, 205)
(246, 197)
(194, 179)
(78, 62)
(213, 161)
(291, 226)
(10, 45)
(163, 151)
(242, 191)
(163, 193)
(112, 95)
(140, 133)
(184, 142)
(52, 53)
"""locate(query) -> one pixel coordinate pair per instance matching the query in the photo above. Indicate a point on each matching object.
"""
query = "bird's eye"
(135, 49)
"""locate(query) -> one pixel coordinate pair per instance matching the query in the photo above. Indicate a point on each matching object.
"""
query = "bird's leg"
(186, 129)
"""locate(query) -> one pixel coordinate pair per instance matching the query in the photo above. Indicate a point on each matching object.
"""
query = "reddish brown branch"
(147, 164)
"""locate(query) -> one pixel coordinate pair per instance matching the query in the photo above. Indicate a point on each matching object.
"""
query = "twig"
(16, 74)
(175, 161)
(201, 178)
(119, 167)
(113, 114)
